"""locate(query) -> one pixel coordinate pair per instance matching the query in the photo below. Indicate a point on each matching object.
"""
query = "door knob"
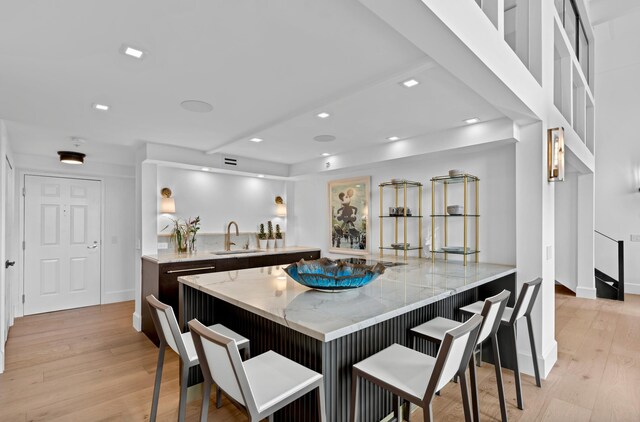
(8, 263)
(95, 245)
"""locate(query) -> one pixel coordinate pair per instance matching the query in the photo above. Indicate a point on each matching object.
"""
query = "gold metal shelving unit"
(445, 181)
(401, 187)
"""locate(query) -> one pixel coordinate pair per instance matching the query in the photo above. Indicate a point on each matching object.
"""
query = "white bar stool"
(415, 376)
(492, 310)
(524, 305)
(259, 386)
(169, 334)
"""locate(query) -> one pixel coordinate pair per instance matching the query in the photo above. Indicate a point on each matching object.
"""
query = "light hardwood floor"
(90, 365)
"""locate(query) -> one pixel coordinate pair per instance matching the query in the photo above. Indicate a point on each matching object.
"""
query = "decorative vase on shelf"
(270, 243)
(262, 237)
(279, 243)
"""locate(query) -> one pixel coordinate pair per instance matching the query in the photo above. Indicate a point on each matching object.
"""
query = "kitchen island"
(329, 332)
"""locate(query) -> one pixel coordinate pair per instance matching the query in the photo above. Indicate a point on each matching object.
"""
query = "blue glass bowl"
(328, 275)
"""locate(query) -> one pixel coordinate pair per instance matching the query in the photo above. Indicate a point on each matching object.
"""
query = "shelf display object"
(399, 214)
(451, 214)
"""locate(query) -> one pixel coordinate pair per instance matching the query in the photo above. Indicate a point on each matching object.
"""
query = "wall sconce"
(281, 208)
(168, 204)
(555, 154)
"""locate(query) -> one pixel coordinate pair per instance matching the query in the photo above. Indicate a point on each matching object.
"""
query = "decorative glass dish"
(325, 274)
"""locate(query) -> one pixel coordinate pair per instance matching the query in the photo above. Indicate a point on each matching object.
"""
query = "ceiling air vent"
(230, 161)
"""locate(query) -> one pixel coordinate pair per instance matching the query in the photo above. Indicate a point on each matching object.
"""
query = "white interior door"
(10, 259)
(62, 243)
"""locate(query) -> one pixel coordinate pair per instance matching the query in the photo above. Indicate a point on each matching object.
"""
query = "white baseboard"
(119, 296)
(632, 288)
(586, 292)
(137, 322)
(545, 362)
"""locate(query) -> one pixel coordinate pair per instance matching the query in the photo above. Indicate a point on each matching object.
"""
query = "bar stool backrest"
(221, 363)
(492, 312)
(526, 300)
(454, 354)
(167, 326)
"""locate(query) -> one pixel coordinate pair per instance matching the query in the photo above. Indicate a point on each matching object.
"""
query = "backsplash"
(209, 242)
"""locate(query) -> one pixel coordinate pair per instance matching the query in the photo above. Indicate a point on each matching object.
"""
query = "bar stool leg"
(498, 367)
(534, 355)
(428, 414)
(156, 387)
(218, 397)
(184, 380)
(465, 398)
(516, 369)
(474, 388)
(206, 396)
(355, 398)
(322, 411)
(397, 410)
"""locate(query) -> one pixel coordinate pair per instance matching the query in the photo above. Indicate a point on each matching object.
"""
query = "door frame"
(19, 306)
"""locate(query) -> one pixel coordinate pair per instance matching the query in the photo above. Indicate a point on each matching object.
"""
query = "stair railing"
(620, 244)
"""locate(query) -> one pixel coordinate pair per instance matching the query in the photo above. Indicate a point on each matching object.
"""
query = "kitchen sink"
(237, 252)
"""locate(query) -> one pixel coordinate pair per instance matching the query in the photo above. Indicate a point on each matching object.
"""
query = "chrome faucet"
(227, 238)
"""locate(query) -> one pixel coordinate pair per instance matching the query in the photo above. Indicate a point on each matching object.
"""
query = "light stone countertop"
(172, 257)
(272, 294)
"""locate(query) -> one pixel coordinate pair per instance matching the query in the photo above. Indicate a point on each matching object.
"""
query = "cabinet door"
(169, 273)
(295, 257)
(262, 261)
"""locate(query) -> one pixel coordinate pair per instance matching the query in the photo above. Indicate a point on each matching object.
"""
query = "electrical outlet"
(635, 237)
(163, 245)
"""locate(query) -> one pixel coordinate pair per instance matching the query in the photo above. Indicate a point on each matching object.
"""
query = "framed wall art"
(349, 215)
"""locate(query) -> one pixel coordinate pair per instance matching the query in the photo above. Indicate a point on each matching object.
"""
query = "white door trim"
(19, 309)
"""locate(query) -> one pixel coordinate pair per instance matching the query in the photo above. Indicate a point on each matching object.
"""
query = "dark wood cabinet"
(161, 279)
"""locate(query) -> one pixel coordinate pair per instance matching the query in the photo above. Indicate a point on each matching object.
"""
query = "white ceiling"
(601, 11)
(266, 67)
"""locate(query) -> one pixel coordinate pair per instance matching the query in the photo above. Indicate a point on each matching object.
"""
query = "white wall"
(618, 171)
(118, 218)
(494, 166)
(220, 198)
(566, 213)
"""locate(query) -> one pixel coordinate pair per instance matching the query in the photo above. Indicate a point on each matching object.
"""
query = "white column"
(585, 237)
(534, 243)
(147, 195)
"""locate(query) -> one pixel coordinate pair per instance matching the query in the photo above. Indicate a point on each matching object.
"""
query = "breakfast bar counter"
(329, 332)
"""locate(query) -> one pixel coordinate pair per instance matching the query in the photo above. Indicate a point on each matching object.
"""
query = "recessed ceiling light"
(324, 138)
(472, 120)
(132, 52)
(323, 115)
(325, 154)
(256, 140)
(261, 175)
(101, 107)
(410, 83)
(393, 138)
(196, 106)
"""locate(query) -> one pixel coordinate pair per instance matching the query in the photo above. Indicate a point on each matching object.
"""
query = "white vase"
(270, 243)
(262, 243)
(279, 243)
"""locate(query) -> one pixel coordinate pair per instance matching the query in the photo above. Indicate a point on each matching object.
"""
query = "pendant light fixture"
(71, 157)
